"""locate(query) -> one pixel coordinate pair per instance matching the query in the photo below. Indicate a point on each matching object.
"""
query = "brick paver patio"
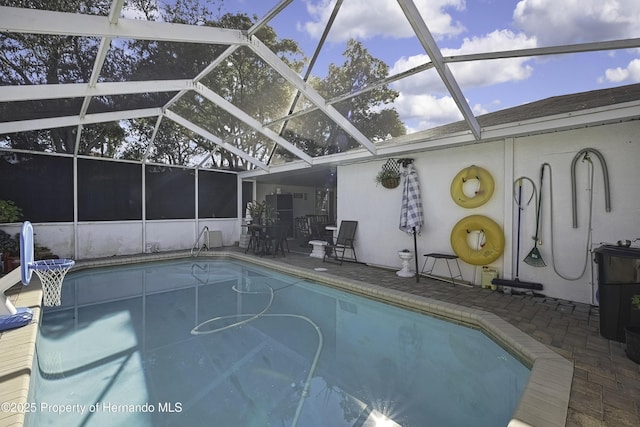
(606, 384)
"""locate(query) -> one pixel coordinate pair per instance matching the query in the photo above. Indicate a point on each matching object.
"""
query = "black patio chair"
(319, 232)
(343, 243)
(302, 230)
(317, 224)
(255, 239)
(278, 237)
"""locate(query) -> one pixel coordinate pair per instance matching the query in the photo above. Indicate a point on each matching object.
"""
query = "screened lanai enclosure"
(133, 126)
(147, 113)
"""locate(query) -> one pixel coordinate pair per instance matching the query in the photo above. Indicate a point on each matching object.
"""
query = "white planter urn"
(406, 258)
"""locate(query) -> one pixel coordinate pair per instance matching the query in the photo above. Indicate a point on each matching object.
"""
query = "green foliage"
(42, 252)
(635, 301)
(9, 212)
(242, 78)
(255, 209)
(318, 135)
(262, 213)
(9, 244)
(386, 174)
(34, 59)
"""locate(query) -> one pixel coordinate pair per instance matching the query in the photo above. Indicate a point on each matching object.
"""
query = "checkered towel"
(411, 209)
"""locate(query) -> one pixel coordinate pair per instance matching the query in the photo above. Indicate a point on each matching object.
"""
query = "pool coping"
(545, 399)
(17, 351)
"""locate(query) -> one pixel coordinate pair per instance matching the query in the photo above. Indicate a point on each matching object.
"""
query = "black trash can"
(618, 281)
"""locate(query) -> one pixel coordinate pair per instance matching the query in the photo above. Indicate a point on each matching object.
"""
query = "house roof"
(562, 112)
(563, 104)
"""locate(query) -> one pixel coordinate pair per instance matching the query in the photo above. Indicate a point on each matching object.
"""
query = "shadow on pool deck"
(606, 385)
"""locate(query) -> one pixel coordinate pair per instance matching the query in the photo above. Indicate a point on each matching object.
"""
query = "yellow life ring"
(491, 247)
(481, 196)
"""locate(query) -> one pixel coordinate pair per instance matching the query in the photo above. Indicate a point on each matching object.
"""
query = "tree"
(30, 59)
(242, 78)
(318, 135)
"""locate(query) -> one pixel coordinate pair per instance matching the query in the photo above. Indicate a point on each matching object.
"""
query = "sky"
(462, 27)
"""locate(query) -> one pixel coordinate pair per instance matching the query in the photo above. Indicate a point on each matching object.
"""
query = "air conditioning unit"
(488, 274)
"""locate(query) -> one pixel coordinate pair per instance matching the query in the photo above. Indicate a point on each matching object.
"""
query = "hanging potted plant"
(388, 178)
(632, 331)
(389, 175)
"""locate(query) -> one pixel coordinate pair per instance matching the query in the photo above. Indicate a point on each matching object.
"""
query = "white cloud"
(424, 96)
(474, 73)
(479, 109)
(423, 81)
(495, 41)
(576, 21)
(429, 110)
(365, 19)
(484, 73)
(617, 75)
(406, 63)
(536, 23)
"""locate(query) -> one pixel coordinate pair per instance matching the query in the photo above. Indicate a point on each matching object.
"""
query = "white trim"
(292, 77)
(429, 44)
(211, 137)
(247, 119)
(77, 90)
(549, 50)
(18, 20)
(60, 122)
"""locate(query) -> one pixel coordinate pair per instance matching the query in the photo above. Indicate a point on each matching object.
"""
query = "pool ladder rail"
(197, 248)
(199, 271)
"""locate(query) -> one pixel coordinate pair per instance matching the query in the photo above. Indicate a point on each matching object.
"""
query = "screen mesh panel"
(41, 185)
(217, 194)
(170, 192)
(109, 191)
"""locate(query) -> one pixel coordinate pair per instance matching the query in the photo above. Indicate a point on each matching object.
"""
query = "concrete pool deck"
(578, 378)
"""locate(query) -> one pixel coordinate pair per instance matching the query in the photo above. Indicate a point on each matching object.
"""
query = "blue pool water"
(221, 343)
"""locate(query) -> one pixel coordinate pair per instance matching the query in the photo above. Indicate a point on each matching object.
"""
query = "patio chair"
(302, 227)
(343, 243)
(255, 240)
(278, 237)
(319, 232)
(317, 224)
(302, 232)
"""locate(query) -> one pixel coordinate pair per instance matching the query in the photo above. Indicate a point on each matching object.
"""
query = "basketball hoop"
(51, 273)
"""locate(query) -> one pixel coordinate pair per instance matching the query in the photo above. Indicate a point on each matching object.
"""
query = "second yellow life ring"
(482, 194)
(490, 248)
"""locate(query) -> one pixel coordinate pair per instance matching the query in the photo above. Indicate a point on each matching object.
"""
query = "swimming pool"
(123, 342)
